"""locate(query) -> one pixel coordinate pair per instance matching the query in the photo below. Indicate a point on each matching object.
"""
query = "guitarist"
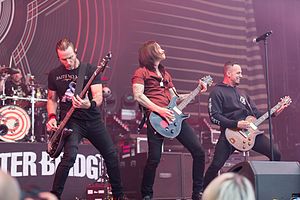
(85, 121)
(228, 108)
(153, 89)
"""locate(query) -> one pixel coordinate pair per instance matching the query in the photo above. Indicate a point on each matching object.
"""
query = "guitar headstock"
(285, 101)
(104, 61)
(207, 80)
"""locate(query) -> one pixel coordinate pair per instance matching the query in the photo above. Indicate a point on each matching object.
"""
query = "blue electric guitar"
(173, 129)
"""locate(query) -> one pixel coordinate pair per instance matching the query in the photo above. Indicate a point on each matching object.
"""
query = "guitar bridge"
(243, 134)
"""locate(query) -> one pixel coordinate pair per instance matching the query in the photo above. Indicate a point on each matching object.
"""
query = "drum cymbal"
(8, 70)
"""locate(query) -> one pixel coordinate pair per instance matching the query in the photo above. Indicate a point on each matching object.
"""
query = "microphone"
(263, 37)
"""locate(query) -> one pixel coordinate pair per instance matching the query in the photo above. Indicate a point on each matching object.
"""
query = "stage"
(31, 165)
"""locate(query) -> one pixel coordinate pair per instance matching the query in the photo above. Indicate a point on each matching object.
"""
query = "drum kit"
(20, 114)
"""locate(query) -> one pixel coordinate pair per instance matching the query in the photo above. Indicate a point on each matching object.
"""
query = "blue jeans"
(224, 149)
(189, 140)
(96, 133)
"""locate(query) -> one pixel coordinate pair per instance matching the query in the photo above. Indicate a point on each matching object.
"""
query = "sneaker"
(122, 197)
(147, 198)
(197, 196)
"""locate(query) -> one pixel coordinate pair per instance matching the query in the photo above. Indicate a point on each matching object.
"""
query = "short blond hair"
(9, 187)
(229, 186)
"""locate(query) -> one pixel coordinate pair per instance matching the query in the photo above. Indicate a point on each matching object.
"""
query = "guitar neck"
(266, 115)
(191, 96)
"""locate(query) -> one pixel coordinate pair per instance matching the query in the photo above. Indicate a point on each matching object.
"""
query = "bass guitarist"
(153, 89)
(228, 107)
(85, 120)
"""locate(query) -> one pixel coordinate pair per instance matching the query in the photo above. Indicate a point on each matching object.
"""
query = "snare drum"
(17, 121)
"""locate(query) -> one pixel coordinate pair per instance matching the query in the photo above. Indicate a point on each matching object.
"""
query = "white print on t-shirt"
(243, 100)
(69, 92)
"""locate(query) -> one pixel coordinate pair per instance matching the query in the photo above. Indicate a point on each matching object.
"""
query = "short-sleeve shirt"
(63, 82)
(155, 88)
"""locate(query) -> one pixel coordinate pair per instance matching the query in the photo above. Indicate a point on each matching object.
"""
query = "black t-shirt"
(12, 89)
(63, 81)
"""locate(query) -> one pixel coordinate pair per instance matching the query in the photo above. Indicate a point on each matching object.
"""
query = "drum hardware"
(33, 101)
(8, 131)
(3, 129)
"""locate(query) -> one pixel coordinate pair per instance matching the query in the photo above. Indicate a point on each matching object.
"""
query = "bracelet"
(93, 104)
(51, 115)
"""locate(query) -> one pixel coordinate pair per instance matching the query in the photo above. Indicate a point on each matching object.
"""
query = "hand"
(52, 125)
(203, 86)
(167, 114)
(81, 103)
(243, 124)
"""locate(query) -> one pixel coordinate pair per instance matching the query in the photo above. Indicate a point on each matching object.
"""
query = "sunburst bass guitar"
(244, 139)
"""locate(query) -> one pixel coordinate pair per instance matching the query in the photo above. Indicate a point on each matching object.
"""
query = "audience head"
(9, 187)
(229, 186)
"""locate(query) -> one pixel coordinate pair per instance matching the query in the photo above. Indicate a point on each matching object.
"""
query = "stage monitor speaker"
(271, 179)
(173, 176)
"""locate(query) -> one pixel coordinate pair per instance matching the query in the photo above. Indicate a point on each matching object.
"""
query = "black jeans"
(224, 149)
(96, 133)
(189, 140)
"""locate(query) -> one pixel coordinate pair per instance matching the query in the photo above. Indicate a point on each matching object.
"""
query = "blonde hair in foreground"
(9, 187)
(229, 186)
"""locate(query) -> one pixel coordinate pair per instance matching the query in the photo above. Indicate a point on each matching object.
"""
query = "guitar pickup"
(253, 126)
(179, 112)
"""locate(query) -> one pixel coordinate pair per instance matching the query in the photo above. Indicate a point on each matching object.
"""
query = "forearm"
(146, 102)
(216, 116)
(98, 99)
(97, 95)
(51, 106)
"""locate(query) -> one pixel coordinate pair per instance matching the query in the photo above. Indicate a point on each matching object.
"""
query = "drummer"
(14, 84)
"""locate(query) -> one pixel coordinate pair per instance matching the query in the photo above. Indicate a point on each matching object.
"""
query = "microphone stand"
(268, 97)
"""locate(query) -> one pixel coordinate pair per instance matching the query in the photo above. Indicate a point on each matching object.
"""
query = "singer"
(228, 107)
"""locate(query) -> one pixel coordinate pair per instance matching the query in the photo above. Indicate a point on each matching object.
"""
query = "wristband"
(51, 115)
(93, 104)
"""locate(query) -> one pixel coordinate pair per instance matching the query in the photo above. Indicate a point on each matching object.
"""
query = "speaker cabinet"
(173, 176)
(271, 179)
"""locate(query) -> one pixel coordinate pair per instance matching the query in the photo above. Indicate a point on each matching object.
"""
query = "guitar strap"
(143, 121)
(247, 102)
(80, 79)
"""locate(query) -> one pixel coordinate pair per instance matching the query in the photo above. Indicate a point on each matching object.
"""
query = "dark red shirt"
(156, 91)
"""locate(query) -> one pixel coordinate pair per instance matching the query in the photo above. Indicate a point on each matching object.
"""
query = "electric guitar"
(57, 138)
(244, 139)
(173, 129)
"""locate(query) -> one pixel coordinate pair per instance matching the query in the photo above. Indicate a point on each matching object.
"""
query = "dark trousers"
(224, 149)
(96, 133)
(189, 140)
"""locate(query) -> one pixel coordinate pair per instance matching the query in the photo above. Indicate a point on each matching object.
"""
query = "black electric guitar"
(173, 129)
(57, 138)
(244, 139)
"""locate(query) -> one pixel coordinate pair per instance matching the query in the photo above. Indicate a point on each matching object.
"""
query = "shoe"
(197, 196)
(147, 198)
(122, 197)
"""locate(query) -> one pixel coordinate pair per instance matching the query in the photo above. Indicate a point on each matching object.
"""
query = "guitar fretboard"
(187, 100)
(266, 115)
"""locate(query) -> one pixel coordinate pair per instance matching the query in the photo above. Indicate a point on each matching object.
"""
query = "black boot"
(121, 197)
(147, 198)
(197, 196)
